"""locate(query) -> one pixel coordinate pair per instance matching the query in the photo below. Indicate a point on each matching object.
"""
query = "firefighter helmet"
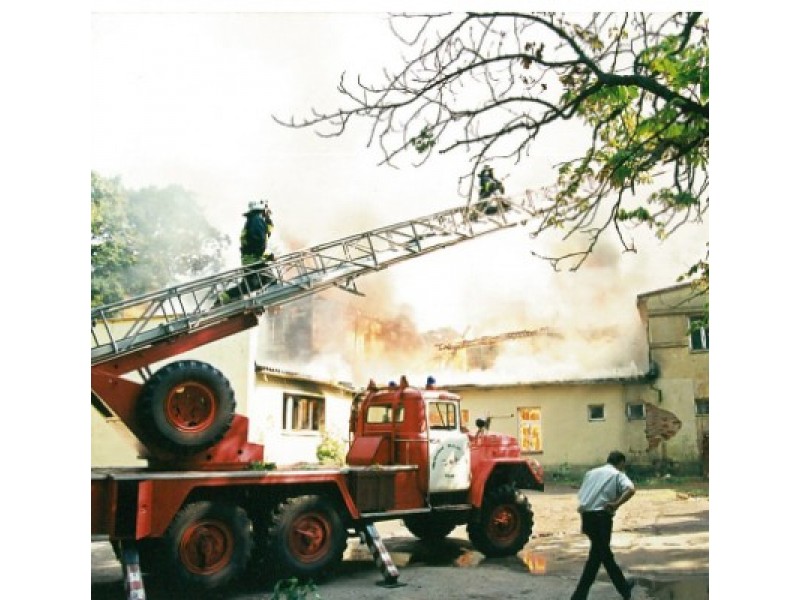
(259, 205)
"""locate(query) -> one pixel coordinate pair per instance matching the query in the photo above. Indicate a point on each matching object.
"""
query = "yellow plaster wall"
(568, 436)
(234, 356)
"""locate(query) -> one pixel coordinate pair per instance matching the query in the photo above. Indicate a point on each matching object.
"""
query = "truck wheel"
(429, 527)
(207, 545)
(185, 407)
(504, 523)
(307, 537)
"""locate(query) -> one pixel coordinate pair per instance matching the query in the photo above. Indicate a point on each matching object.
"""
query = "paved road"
(662, 540)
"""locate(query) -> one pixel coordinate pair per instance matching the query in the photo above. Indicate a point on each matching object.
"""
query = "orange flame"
(536, 562)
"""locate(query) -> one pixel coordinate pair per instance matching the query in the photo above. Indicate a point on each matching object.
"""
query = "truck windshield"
(442, 415)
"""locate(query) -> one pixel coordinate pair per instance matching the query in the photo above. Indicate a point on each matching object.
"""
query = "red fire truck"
(205, 511)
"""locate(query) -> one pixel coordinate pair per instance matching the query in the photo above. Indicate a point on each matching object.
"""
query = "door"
(448, 455)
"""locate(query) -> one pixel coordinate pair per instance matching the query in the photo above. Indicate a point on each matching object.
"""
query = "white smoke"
(211, 131)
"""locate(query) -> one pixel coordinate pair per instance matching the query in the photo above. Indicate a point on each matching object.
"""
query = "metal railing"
(182, 308)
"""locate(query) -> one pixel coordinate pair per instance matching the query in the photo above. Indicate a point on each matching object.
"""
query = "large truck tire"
(307, 538)
(207, 546)
(504, 523)
(429, 527)
(186, 407)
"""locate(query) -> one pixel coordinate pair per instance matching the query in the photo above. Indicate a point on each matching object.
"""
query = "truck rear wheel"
(185, 407)
(504, 523)
(307, 537)
(429, 527)
(207, 545)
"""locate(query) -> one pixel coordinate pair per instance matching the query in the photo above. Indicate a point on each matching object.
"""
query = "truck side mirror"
(480, 423)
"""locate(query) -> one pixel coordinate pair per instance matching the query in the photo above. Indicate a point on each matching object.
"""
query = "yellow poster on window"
(530, 429)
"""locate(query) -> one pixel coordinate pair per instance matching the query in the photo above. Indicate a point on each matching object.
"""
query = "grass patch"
(693, 486)
(643, 478)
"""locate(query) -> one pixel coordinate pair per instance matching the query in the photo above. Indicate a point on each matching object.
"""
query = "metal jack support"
(134, 584)
(369, 535)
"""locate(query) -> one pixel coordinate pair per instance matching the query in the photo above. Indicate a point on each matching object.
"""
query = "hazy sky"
(188, 98)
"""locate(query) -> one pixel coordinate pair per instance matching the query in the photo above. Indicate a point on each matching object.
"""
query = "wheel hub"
(190, 407)
(206, 547)
(310, 537)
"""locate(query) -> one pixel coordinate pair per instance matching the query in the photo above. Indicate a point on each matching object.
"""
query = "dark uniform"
(253, 240)
(488, 184)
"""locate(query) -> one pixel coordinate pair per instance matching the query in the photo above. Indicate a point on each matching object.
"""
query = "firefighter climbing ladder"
(166, 314)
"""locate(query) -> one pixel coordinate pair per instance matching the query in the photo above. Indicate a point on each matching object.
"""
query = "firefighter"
(488, 184)
(253, 240)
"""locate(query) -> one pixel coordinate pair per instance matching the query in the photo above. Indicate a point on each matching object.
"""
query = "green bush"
(292, 589)
(330, 450)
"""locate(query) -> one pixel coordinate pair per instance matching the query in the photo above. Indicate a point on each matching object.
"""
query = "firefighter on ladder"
(253, 240)
(488, 184)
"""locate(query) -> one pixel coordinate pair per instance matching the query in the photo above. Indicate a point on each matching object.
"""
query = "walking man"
(603, 491)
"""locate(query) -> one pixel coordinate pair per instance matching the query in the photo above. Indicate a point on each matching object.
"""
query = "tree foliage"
(147, 239)
(491, 83)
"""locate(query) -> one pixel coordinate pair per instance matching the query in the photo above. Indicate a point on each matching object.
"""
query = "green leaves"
(424, 141)
(294, 589)
(491, 83)
(146, 239)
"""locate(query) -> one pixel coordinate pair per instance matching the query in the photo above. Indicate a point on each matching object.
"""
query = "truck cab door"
(448, 452)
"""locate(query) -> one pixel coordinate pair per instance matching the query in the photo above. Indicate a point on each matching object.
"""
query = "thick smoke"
(211, 131)
(588, 319)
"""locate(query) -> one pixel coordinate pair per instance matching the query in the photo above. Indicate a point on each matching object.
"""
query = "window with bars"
(303, 413)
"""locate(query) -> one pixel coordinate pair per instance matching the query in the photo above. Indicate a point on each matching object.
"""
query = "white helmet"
(259, 205)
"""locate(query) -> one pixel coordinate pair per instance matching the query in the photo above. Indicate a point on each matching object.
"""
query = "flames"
(536, 562)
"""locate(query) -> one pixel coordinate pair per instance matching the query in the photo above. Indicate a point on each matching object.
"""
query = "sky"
(189, 99)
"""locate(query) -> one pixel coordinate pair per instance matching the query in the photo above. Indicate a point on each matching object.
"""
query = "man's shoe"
(631, 583)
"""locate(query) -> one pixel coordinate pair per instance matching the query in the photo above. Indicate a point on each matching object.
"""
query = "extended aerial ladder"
(165, 323)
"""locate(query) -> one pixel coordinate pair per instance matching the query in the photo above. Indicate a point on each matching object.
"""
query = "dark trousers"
(597, 526)
(251, 282)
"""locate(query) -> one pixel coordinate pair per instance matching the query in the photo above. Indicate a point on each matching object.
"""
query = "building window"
(530, 429)
(597, 412)
(465, 417)
(635, 411)
(303, 413)
(701, 407)
(698, 333)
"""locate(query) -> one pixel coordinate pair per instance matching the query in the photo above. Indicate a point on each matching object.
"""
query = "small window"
(382, 413)
(303, 413)
(635, 411)
(698, 333)
(701, 407)
(597, 412)
(442, 415)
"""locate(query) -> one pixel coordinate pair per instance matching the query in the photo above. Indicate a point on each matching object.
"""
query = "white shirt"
(600, 486)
